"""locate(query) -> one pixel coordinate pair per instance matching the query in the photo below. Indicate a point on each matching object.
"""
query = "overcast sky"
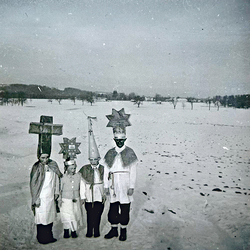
(170, 47)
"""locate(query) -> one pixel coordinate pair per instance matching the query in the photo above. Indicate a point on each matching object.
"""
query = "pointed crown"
(118, 120)
(93, 149)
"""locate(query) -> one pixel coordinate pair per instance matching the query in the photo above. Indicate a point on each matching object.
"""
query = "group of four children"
(89, 187)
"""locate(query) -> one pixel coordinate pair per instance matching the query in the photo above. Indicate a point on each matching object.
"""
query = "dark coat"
(87, 173)
(128, 156)
(37, 176)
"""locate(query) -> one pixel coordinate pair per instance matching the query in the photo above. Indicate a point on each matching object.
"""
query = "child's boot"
(66, 233)
(112, 233)
(73, 234)
(123, 234)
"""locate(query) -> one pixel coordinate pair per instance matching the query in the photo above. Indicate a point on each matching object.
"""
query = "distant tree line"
(122, 96)
(19, 93)
(235, 101)
(17, 98)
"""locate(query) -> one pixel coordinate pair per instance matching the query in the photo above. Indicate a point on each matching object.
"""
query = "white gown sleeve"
(83, 189)
(106, 175)
(132, 175)
(57, 191)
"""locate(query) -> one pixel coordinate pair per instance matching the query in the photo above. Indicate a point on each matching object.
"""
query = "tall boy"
(119, 176)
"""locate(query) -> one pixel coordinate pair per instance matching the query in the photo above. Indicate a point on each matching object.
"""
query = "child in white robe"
(119, 175)
(44, 187)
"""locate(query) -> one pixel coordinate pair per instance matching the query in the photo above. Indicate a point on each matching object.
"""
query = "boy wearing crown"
(119, 176)
(69, 201)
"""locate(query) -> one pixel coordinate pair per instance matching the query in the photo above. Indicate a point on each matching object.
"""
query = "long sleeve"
(132, 175)
(36, 181)
(33, 191)
(106, 175)
(61, 187)
(57, 190)
(82, 189)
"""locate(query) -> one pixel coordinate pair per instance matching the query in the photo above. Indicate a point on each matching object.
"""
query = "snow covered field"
(193, 184)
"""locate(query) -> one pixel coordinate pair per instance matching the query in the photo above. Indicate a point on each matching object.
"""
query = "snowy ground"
(183, 156)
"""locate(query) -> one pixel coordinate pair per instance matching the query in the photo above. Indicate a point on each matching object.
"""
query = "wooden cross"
(45, 129)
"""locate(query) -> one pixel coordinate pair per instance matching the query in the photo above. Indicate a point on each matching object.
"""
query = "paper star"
(69, 148)
(118, 118)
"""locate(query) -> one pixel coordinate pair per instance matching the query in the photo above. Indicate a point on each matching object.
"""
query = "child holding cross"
(44, 180)
(44, 187)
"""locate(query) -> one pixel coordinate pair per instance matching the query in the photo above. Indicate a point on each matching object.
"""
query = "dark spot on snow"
(149, 211)
(171, 211)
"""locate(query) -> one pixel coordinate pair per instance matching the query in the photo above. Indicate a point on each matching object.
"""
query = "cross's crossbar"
(45, 128)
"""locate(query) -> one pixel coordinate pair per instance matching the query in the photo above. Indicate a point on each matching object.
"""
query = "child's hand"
(106, 191)
(130, 191)
(38, 202)
(60, 202)
(83, 201)
(104, 198)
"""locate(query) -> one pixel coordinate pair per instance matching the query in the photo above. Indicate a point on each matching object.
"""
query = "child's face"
(71, 169)
(94, 162)
(119, 142)
(44, 159)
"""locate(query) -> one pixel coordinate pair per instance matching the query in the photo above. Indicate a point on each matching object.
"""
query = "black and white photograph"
(125, 124)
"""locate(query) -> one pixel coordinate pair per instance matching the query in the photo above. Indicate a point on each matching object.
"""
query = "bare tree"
(14, 101)
(209, 101)
(83, 97)
(217, 104)
(191, 100)
(174, 101)
(90, 98)
(21, 98)
(217, 101)
(59, 100)
(139, 100)
(73, 99)
(183, 104)
(6, 98)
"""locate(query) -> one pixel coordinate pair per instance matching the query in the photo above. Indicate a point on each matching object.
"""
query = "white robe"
(71, 213)
(46, 212)
(123, 178)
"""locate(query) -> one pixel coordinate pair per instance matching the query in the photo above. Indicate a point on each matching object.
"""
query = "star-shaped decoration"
(118, 118)
(69, 148)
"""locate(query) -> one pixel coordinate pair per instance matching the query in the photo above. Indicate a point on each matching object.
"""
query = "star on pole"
(69, 148)
(118, 118)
